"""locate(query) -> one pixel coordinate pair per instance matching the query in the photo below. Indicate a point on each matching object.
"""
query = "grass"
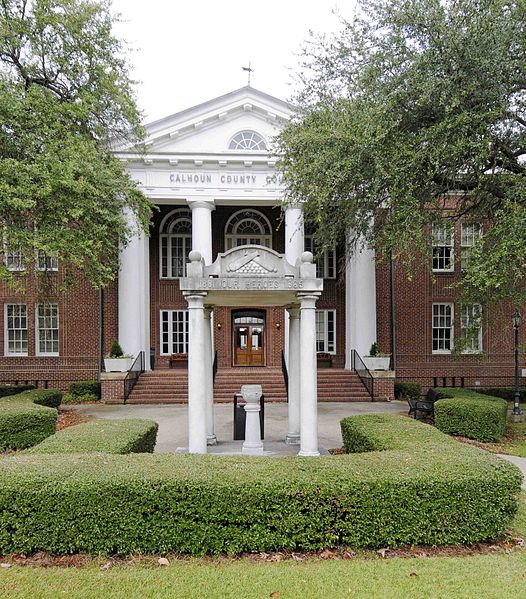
(496, 575)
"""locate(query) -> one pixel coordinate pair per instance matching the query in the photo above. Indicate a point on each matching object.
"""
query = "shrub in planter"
(82, 388)
(24, 423)
(7, 390)
(469, 414)
(406, 391)
(107, 436)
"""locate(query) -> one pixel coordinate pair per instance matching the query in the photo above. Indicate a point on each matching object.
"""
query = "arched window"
(248, 227)
(175, 243)
(247, 140)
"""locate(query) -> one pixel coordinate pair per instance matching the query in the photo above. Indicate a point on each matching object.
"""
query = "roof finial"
(249, 70)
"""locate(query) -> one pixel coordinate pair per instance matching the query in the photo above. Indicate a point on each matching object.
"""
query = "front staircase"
(170, 386)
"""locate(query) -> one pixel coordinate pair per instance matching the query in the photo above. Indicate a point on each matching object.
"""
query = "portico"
(253, 276)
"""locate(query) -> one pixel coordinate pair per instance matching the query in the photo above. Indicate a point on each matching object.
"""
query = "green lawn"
(484, 576)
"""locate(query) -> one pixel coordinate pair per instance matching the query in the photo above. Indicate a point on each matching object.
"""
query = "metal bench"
(424, 405)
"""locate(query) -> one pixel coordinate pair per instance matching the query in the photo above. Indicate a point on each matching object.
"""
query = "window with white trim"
(46, 263)
(247, 140)
(15, 329)
(175, 240)
(248, 227)
(470, 233)
(325, 261)
(174, 332)
(326, 331)
(443, 248)
(13, 259)
(471, 327)
(442, 328)
(46, 330)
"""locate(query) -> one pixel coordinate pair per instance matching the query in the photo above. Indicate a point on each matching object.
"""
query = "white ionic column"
(293, 427)
(202, 227)
(308, 376)
(211, 438)
(134, 293)
(360, 303)
(294, 248)
(197, 374)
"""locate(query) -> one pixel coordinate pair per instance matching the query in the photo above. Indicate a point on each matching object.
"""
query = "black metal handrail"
(285, 372)
(214, 367)
(130, 380)
(364, 374)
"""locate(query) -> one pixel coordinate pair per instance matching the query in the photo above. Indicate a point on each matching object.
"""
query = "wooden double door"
(248, 329)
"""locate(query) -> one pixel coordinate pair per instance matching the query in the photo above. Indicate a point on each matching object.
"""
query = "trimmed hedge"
(431, 491)
(502, 392)
(106, 436)
(407, 391)
(7, 390)
(469, 414)
(82, 388)
(51, 398)
(23, 422)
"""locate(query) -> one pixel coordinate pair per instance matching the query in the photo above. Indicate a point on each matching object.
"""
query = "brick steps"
(170, 386)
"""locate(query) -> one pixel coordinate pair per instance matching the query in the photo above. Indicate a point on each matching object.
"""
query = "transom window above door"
(247, 140)
(175, 242)
(248, 227)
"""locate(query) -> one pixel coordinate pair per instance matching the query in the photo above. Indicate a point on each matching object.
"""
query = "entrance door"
(249, 338)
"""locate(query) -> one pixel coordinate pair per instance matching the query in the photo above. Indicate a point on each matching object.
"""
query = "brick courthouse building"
(209, 171)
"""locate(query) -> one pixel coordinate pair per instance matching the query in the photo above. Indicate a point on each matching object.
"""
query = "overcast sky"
(187, 52)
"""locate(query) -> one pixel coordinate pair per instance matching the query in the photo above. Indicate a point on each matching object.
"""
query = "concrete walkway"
(172, 420)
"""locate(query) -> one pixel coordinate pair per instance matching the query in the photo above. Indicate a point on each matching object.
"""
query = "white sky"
(187, 52)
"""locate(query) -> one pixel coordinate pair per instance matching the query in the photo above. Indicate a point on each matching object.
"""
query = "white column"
(134, 293)
(360, 304)
(308, 376)
(211, 438)
(293, 428)
(202, 227)
(294, 248)
(197, 374)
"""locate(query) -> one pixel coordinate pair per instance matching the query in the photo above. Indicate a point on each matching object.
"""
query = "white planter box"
(117, 364)
(377, 362)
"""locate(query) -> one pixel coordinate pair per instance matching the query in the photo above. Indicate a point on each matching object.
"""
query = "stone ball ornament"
(194, 256)
(307, 257)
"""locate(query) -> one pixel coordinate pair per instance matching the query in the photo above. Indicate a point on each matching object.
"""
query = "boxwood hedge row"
(107, 436)
(469, 414)
(430, 491)
(24, 421)
(6, 390)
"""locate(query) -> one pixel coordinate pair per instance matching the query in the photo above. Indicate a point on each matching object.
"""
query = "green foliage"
(502, 392)
(392, 117)
(65, 96)
(51, 398)
(115, 350)
(405, 391)
(424, 489)
(106, 436)
(6, 390)
(82, 388)
(374, 350)
(23, 422)
(471, 415)
(74, 399)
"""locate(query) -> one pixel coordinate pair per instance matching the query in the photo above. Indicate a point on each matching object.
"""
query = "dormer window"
(247, 140)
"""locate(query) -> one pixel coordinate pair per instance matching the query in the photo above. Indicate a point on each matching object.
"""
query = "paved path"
(520, 462)
(172, 422)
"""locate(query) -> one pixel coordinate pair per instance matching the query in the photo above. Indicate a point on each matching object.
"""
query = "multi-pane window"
(15, 319)
(326, 331)
(14, 260)
(248, 227)
(442, 328)
(247, 140)
(47, 330)
(174, 332)
(175, 243)
(46, 263)
(443, 244)
(325, 261)
(470, 234)
(471, 327)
